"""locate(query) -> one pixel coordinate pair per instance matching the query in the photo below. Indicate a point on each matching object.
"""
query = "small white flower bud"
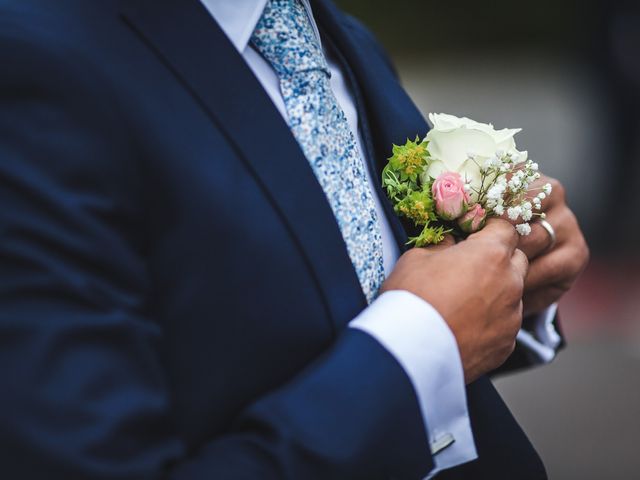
(523, 229)
(514, 212)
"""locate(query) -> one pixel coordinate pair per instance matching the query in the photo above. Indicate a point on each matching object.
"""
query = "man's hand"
(552, 271)
(477, 286)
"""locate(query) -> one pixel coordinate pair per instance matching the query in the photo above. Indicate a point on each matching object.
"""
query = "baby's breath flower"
(496, 191)
(523, 229)
(519, 157)
(515, 183)
(546, 188)
(542, 195)
(491, 162)
(498, 210)
(514, 212)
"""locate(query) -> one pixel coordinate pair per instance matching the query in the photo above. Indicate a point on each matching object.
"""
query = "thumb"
(447, 241)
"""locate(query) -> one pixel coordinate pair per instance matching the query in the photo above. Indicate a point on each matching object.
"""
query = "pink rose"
(473, 220)
(450, 196)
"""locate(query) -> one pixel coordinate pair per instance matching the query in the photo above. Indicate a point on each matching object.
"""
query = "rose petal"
(436, 168)
(453, 147)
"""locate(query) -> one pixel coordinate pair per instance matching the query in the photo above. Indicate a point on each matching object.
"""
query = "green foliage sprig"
(410, 192)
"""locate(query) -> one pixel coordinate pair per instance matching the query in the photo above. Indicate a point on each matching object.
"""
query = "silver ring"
(552, 233)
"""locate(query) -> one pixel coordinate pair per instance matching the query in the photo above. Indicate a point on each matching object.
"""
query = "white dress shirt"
(407, 326)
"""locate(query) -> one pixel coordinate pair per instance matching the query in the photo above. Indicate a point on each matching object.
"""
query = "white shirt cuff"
(419, 338)
(543, 341)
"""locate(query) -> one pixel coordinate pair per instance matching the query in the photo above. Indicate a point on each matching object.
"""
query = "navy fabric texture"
(174, 288)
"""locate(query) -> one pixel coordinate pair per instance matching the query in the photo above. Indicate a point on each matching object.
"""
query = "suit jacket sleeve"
(84, 393)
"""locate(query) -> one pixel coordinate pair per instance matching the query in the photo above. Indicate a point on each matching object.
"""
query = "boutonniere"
(460, 174)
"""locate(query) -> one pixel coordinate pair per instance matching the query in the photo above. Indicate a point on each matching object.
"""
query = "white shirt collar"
(238, 18)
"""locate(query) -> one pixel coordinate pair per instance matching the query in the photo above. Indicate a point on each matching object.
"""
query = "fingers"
(447, 241)
(499, 230)
(564, 224)
(538, 300)
(520, 262)
(536, 243)
(548, 270)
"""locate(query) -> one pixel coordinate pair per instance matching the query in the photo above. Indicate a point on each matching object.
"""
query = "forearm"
(415, 333)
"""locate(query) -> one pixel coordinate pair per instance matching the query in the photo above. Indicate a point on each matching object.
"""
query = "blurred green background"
(424, 27)
(568, 73)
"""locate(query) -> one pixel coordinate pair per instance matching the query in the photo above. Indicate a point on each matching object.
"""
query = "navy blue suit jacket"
(174, 290)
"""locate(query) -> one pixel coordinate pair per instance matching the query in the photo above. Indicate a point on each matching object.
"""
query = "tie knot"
(285, 37)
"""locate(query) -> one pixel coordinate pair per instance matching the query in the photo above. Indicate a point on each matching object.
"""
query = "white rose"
(453, 139)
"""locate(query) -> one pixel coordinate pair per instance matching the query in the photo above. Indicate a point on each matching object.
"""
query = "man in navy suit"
(181, 292)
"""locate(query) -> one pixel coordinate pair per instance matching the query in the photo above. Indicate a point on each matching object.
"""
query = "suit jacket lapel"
(198, 52)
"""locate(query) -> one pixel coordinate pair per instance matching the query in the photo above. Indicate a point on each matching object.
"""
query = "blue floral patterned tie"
(286, 39)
